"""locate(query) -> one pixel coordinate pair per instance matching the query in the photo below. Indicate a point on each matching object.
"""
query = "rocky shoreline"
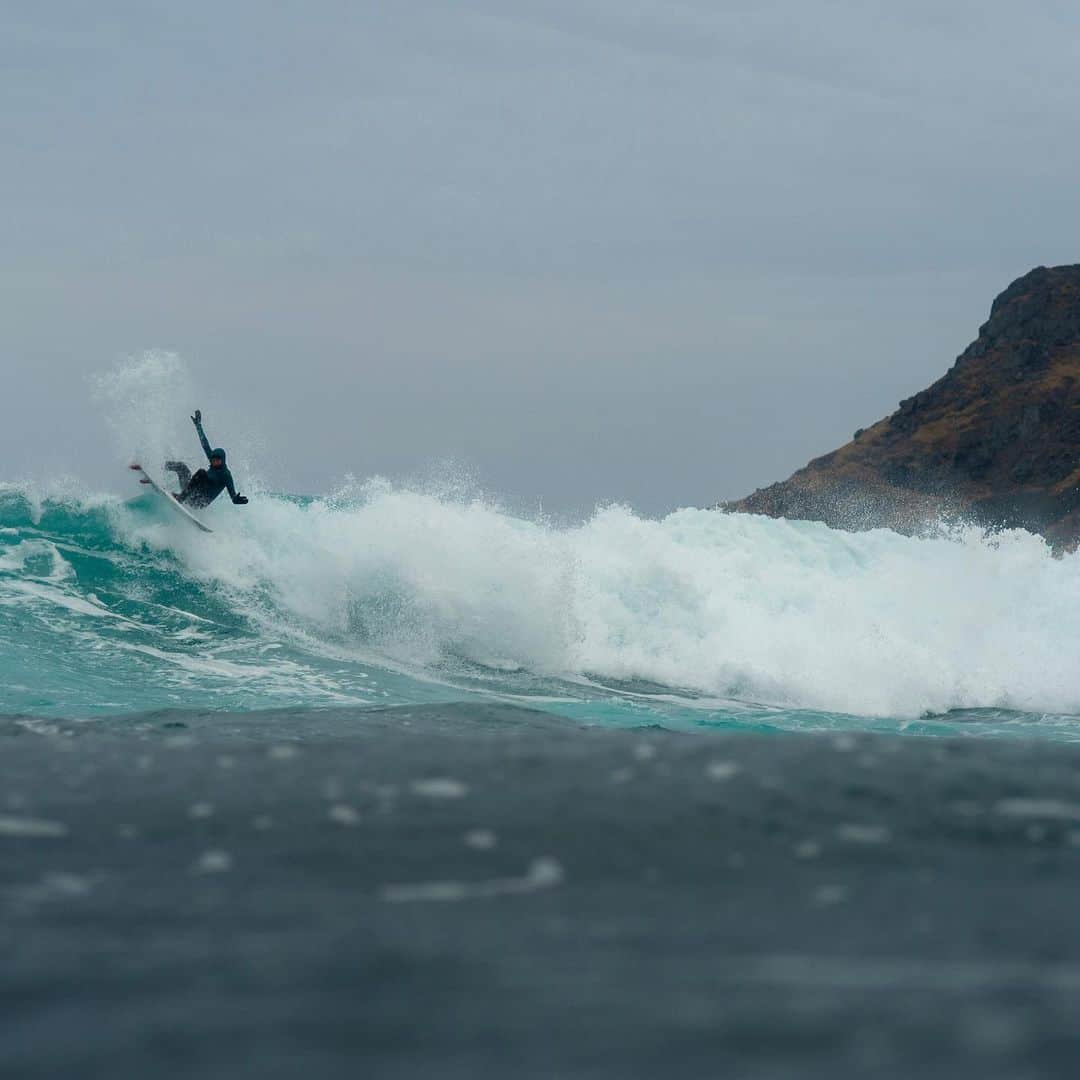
(995, 441)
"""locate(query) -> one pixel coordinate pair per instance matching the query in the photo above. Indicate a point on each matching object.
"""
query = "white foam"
(790, 613)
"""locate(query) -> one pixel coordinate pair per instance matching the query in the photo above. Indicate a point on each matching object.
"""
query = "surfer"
(203, 486)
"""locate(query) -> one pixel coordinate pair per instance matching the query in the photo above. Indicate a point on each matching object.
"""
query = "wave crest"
(789, 613)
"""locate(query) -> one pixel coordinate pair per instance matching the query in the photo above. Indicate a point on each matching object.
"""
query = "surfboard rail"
(168, 496)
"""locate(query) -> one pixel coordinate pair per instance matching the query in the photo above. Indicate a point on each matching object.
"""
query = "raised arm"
(197, 421)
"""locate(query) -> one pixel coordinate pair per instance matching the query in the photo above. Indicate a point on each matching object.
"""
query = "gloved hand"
(197, 418)
(241, 500)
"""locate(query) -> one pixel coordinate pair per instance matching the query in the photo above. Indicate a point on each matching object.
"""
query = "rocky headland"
(995, 441)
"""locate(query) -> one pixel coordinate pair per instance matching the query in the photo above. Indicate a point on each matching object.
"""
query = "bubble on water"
(480, 839)
(34, 828)
(343, 815)
(213, 862)
(722, 770)
(830, 895)
(864, 834)
(543, 873)
(442, 787)
(1047, 809)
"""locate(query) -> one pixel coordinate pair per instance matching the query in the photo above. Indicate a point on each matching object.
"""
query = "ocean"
(400, 782)
(380, 595)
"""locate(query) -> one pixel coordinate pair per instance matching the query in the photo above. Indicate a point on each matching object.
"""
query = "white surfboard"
(179, 507)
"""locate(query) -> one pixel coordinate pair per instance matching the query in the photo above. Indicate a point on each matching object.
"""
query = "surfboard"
(168, 496)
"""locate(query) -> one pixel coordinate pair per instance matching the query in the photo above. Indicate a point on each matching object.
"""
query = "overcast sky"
(656, 252)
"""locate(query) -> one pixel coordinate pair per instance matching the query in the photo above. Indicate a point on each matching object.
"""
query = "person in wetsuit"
(203, 486)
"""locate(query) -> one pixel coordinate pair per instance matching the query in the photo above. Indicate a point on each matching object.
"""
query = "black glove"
(197, 418)
(241, 500)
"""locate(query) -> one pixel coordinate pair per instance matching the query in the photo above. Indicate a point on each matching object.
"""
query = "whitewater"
(384, 594)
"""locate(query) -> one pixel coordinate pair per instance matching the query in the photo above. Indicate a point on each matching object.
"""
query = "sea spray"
(145, 400)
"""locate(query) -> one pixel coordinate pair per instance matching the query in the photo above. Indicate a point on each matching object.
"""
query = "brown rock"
(995, 441)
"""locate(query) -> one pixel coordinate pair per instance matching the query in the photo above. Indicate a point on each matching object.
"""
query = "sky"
(582, 251)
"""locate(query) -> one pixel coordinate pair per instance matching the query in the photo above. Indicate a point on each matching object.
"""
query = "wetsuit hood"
(221, 454)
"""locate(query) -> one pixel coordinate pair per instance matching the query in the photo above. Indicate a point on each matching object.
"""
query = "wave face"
(384, 595)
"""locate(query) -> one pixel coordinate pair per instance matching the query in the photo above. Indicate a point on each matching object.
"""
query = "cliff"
(995, 441)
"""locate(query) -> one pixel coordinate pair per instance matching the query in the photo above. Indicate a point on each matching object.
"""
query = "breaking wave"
(384, 594)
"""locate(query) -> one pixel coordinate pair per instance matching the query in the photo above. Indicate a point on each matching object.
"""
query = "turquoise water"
(383, 596)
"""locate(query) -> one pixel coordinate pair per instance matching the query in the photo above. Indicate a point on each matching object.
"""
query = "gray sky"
(660, 252)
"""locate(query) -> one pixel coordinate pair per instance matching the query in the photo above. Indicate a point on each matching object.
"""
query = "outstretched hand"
(197, 418)
(241, 500)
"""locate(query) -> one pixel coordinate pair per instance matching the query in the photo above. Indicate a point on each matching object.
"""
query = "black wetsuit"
(203, 486)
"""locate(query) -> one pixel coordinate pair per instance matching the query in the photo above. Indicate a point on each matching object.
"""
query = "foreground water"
(480, 890)
(380, 596)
